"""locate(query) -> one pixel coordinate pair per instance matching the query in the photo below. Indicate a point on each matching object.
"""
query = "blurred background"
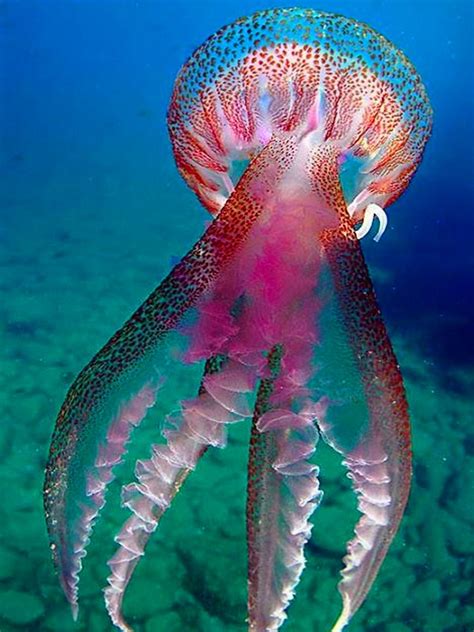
(93, 212)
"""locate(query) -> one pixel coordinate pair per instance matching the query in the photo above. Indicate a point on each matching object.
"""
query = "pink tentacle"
(379, 459)
(159, 478)
(283, 491)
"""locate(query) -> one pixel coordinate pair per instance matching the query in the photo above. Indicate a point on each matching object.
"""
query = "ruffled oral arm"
(158, 481)
(113, 392)
(282, 493)
(378, 455)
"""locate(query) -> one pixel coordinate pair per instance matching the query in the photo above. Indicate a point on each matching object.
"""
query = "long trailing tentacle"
(113, 392)
(159, 480)
(283, 491)
(379, 457)
(200, 423)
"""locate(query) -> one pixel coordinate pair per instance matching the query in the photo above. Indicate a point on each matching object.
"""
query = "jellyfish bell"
(326, 80)
(296, 129)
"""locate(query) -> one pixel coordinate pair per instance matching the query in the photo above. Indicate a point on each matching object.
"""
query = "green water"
(93, 212)
(63, 296)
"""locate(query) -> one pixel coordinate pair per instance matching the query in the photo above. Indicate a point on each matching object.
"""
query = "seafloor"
(93, 214)
(68, 281)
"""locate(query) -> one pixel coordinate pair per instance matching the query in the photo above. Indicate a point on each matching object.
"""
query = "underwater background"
(93, 214)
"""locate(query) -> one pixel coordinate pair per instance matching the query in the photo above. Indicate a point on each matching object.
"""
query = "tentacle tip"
(113, 603)
(74, 610)
(71, 592)
(345, 615)
(371, 212)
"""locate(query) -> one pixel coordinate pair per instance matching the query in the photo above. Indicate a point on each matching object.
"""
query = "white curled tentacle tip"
(373, 211)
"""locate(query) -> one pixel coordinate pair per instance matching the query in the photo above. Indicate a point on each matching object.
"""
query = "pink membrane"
(188, 433)
(109, 454)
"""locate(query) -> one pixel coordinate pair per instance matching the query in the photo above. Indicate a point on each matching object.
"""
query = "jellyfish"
(296, 129)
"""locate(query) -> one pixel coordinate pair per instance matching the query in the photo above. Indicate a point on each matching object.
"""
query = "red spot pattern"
(160, 313)
(293, 71)
(259, 89)
(389, 424)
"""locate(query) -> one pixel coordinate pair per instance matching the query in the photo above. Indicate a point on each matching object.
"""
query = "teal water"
(92, 214)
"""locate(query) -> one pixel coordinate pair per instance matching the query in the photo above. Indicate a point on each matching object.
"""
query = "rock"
(414, 557)
(214, 624)
(14, 497)
(397, 627)
(434, 541)
(332, 472)
(437, 477)
(462, 588)
(423, 444)
(441, 620)
(60, 619)
(97, 621)
(216, 578)
(318, 587)
(404, 579)
(31, 537)
(461, 504)
(160, 575)
(141, 600)
(168, 621)
(427, 592)
(459, 536)
(90, 585)
(467, 617)
(20, 608)
(234, 527)
(333, 526)
(213, 510)
(9, 563)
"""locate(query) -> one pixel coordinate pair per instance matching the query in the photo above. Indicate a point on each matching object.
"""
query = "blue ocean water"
(93, 214)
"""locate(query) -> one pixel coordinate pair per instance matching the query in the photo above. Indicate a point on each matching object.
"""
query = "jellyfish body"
(291, 126)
